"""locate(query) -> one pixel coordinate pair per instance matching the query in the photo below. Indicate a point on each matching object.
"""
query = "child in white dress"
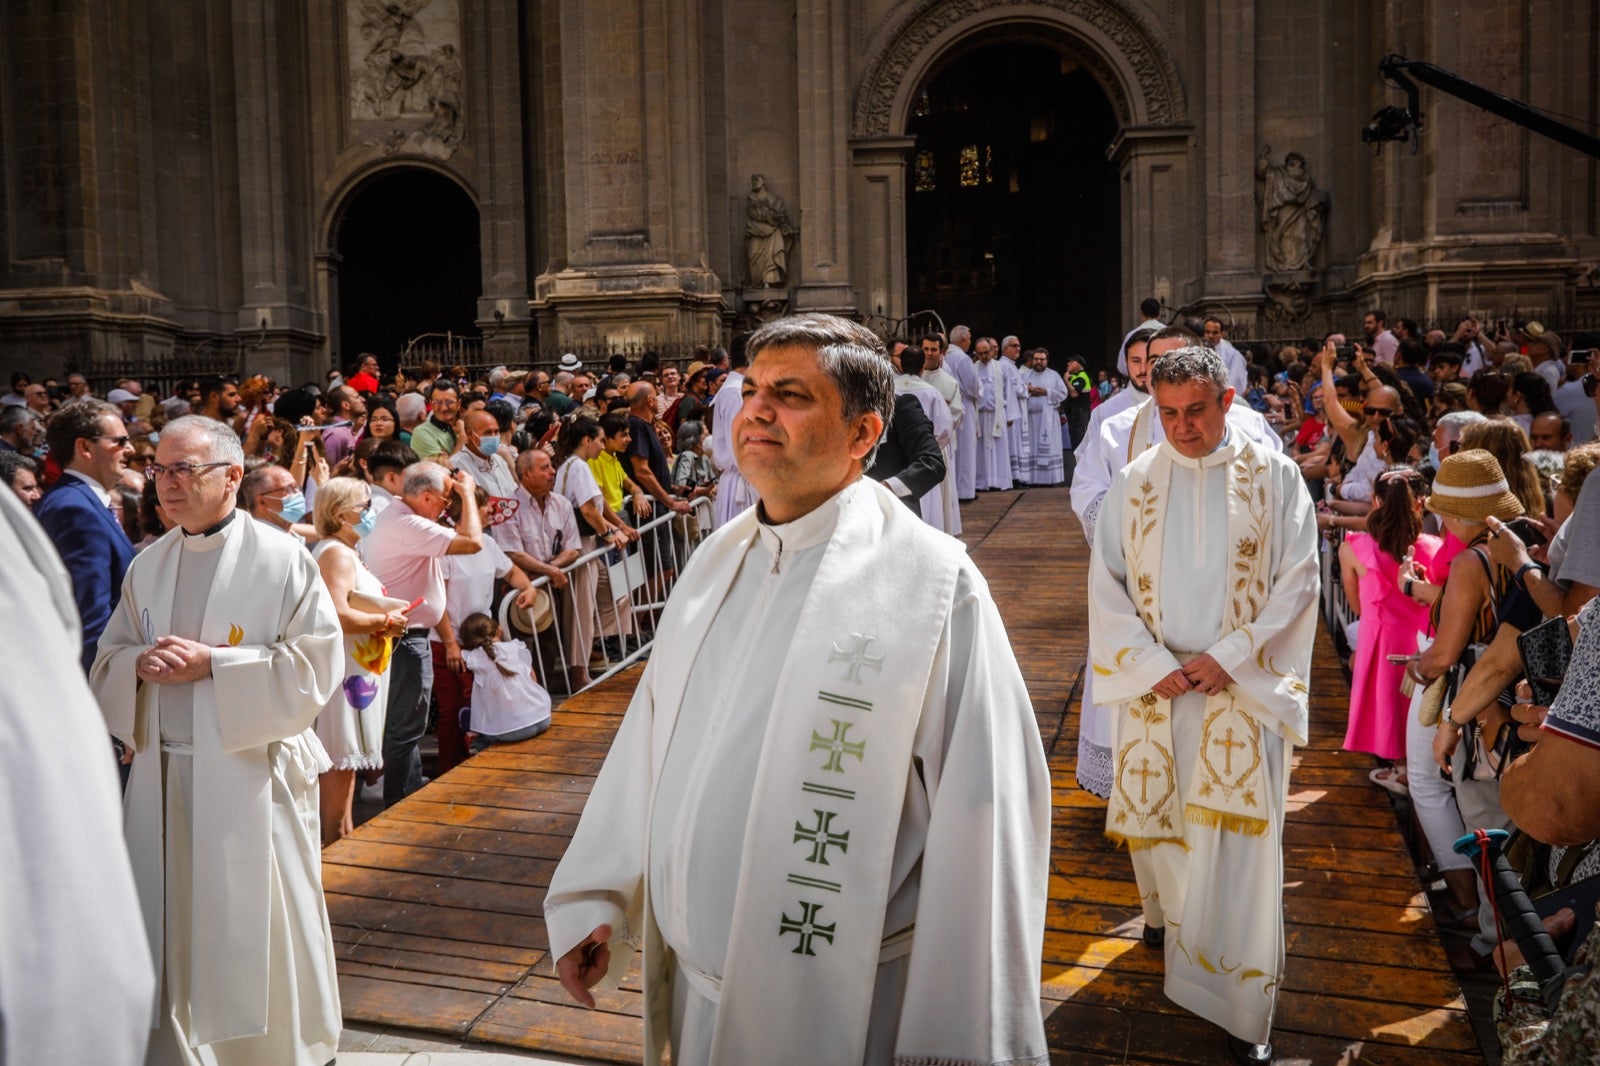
(508, 703)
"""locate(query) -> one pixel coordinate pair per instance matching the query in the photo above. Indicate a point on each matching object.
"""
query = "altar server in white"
(934, 373)
(734, 493)
(908, 381)
(994, 450)
(213, 669)
(1202, 614)
(1045, 392)
(826, 814)
(1016, 403)
(958, 364)
(75, 974)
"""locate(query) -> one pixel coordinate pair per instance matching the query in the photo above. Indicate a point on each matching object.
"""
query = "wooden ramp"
(435, 904)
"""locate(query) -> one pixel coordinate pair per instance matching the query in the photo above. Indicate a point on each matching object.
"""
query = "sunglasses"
(1378, 412)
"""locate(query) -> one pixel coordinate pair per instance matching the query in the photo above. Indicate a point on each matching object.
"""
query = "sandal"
(1392, 778)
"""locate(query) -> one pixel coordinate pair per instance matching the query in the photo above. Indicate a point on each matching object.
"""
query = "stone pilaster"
(822, 49)
(1153, 166)
(879, 234)
(1228, 74)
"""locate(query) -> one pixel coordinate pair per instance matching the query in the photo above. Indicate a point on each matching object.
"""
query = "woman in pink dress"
(1369, 564)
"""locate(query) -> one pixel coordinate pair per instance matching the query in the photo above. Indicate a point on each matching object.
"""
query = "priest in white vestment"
(1098, 460)
(934, 373)
(908, 382)
(994, 451)
(213, 669)
(1149, 308)
(1010, 351)
(734, 493)
(1045, 392)
(1210, 690)
(75, 974)
(825, 817)
(958, 364)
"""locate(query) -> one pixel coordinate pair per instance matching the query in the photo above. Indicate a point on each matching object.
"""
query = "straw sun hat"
(1471, 486)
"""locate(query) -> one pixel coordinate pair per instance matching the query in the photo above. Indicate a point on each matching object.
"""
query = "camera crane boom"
(1405, 123)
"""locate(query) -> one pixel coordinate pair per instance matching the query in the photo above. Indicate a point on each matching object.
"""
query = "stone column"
(495, 118)
(633, 266)
(821, 30)
(275, 218)
(1229, 255)
(1158, 257)
(878, 206)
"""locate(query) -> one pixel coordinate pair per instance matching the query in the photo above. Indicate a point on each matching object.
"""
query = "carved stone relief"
(405, 75)
(1139, 50)
(1292, 211)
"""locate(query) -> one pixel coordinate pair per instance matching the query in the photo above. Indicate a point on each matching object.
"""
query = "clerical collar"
(809, 530)
(212, 531)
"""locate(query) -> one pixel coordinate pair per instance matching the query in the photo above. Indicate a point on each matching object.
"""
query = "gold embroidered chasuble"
(1213, 556)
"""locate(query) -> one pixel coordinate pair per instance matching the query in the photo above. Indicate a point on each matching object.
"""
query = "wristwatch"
(1409, 586)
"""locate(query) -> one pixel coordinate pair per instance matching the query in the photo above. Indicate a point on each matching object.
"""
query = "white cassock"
(958, 364)
(1213, 556)
(826, 823)
(938, 412)
(75, 974)
(1046, 465)
(734, 493)
(1238, 370)
(1016, 417)
(221, 810)
(1104, 451)
(951, 391)
(994, 453)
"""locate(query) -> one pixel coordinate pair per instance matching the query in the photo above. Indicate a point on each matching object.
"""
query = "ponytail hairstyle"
(574, 432)
(478, 630)
(1394, 522)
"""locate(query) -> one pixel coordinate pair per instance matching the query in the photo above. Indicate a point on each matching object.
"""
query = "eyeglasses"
(121, 442)
(181, 471)
(1378, 412)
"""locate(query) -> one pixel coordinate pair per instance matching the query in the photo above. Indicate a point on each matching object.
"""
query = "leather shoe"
(1248, 1054)
(1154, 937)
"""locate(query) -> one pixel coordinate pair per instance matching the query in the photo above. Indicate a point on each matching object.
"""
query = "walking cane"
(1514, 910)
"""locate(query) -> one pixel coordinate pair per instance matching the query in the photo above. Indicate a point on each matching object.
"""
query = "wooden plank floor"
(435, 904)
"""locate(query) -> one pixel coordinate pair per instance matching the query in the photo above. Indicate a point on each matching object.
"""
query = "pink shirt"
(406, 551)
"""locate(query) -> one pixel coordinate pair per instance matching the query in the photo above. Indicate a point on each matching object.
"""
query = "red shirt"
(362, 381)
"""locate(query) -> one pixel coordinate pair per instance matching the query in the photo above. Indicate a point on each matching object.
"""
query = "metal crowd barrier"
(638, 579)
(1336, 610)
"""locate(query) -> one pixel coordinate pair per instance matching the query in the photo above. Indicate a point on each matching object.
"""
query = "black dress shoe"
(1154, 937)
(1248, 1054)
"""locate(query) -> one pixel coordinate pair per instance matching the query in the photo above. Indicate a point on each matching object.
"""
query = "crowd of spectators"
(431, 503)
(1453, 478)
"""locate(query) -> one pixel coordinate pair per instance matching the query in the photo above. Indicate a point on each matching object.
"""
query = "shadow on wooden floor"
(436, 903)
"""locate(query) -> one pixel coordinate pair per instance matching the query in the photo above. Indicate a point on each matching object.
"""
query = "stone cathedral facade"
(289, 180)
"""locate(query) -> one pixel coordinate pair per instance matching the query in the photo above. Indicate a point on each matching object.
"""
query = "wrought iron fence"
(160, 375)
(595, 358)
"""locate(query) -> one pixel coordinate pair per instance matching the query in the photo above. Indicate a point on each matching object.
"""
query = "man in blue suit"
(89, 439)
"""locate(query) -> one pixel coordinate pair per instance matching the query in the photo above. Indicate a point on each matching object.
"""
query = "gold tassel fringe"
(1228, 823)
(1143, 843)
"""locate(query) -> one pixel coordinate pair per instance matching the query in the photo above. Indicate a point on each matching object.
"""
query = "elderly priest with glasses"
(213, 669)
(826, 814)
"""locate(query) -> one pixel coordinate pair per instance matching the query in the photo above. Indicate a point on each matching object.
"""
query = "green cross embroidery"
(807, 927)
(836, 746)
(822, 837)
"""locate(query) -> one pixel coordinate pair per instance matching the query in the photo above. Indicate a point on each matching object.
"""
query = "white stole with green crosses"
(825, 814)
(1226, 786)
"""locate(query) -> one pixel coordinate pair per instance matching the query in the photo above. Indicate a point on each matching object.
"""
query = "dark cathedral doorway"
(1013, 221)
(409, 263)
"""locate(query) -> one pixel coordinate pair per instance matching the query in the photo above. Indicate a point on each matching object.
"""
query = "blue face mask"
(489, 444)
(41, 451)
(1433, 455)
(294, 507)
(369, 518)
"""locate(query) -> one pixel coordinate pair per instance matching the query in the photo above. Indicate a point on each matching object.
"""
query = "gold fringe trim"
(1228, 823)
(1143, 843)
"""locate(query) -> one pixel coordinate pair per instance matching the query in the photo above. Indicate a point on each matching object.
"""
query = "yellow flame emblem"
(235, 635)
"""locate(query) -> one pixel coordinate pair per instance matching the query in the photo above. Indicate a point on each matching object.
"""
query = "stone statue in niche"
(768, 233)
(405, 75)
(1292, 211)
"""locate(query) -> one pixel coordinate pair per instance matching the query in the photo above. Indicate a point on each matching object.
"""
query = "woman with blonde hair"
(351, 725)
(1505, 440)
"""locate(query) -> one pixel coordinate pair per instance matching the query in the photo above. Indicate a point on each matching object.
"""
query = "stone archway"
(1124, 53)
